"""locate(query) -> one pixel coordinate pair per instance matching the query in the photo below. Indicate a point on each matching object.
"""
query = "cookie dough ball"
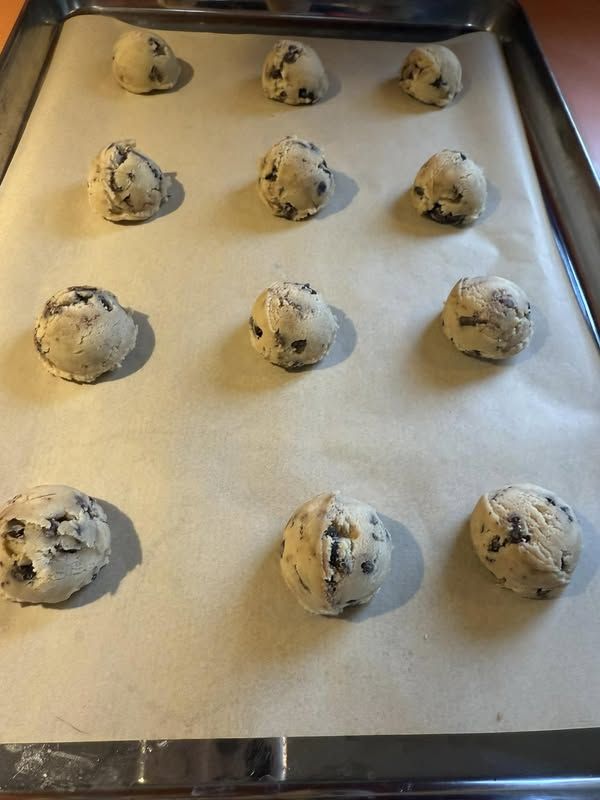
(527, 537)
(293, 73)
(53, 541)
(335, 553)
(488, 317)
(431, 74)
(294, 179)
(143, 62)
(291, 325)
(124, 184)
(450, 189)
(83, 332)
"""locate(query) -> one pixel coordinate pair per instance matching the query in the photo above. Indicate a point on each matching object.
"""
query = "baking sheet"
(200, 450)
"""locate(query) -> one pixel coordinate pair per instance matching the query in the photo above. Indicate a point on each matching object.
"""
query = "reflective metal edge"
(547, 764)
(541, 765)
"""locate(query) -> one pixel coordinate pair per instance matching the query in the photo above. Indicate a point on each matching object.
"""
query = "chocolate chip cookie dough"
(450, 189)
(431, 74)
(84, 332)
(335, 553)
(294, 180)
(527, 537)
(143, 62)
(291, 325)
(293, 73)
(488, 317)
(53, 541)
(125, 184)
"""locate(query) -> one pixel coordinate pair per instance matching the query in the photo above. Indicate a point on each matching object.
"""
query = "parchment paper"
(200, 450)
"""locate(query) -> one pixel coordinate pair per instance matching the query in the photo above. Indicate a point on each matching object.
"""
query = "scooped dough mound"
(126, 185)
(293, 73)
(450, 189)
(294, 179)
(53, 541)
(143, 62)
(432, 74)
(291, 325)
(527, 537)
(84, 332)
(335, 553)
(488, 317)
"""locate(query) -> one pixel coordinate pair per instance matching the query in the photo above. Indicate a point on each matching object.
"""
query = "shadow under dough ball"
(84, 332)
(335, 553)
(294, 180)
(291, 325)
(527, 537)
(450, 189)
(143, 62)
(53, 541)
(431, 74)
(488, 317)
(292, 73)
(126, 185)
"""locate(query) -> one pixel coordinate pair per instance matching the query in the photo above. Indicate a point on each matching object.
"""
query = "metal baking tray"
(553, 764)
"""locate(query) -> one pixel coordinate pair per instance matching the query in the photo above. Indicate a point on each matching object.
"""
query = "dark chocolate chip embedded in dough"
(472, 321)
(419, 191)
(287, 210)
(518, 532)
(306, 287)
(275, 74)
(282, 94)
(23, 572)
(306, 94)
(16, 528)
(494, 545)
(292, 54)
(272, 175)
(567, 511)
(299, 346)
(157, 48)
(551, 500)
(444, 218)
(322, 187)
(463, 156)
(367, 567)
(438, 82)
(501, 296)
(256, 330)
(105, 302)
(156, 75)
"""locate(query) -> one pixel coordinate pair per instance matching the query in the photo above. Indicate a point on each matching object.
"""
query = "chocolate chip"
(293, 54)
(305, 94)
(367, 567)
(541, 592)
(16, 528)
(342, 562)
(275, 74)
(471, 321)
(287, 210)
(567, 511)
(333, 532)
(299, 345)
(564, 564)
(353, 603)
(322, 187)
(475, 353)
(157, 48)
(551, 500)
(419, 191)
(463, 156)
(282, 94)
(438, 82)
(60, 549)
(494, 545)
(323, 166)
(255, 328)
(306, 287)
(105, 302)
(517, 530)
(501, 296)
(155, 75)
(23, 572)
(444, 217)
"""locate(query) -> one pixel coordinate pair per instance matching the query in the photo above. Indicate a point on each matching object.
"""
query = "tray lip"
(341, 763)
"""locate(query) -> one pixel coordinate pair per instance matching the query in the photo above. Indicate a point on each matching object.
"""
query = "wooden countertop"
(570, 37)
